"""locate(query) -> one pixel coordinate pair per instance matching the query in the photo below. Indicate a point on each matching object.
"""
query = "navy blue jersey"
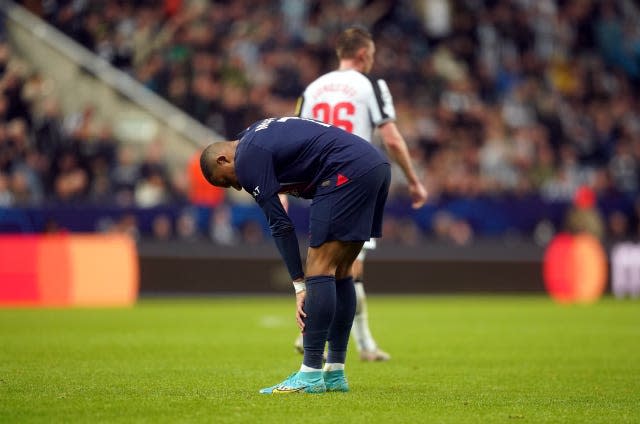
(302, 157)
(296, 156)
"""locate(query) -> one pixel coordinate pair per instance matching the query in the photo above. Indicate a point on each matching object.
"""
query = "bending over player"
(348, 181)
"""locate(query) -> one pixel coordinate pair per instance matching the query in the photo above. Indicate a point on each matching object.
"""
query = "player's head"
(218, 166)
(356, 44)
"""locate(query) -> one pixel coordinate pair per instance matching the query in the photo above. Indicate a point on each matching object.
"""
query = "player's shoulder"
(341, 77)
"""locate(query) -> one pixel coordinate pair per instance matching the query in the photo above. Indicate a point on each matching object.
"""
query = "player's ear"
(361, 54)
(221, 160)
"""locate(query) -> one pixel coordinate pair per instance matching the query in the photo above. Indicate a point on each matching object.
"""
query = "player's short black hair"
(205, 166)
(351, 40)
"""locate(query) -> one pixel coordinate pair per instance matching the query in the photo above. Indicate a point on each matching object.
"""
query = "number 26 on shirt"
(337, 115)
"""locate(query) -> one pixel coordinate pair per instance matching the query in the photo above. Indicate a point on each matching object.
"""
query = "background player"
(348, 180)
(350, 100)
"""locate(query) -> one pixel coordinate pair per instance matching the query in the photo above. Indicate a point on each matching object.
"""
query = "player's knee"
(343, 271)
(360, 298)
(357, 269)
(320, 269)
(346, 267)
(324, 259)
(320, 265)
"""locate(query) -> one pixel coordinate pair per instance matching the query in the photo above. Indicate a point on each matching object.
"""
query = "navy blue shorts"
(353, 211)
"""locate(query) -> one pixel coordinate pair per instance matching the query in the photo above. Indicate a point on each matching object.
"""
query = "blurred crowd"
(494, 97)
(48, 157)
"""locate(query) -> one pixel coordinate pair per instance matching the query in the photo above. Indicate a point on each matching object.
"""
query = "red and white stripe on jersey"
(350, 100)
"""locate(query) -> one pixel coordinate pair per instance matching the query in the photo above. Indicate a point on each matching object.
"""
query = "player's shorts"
(352, 212)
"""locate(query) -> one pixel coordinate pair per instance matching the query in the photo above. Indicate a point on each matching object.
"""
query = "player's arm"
(284, 235)
(257, 175)
(382, 112)
(399, 152)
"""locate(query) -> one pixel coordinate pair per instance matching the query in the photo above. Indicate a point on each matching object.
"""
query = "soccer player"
(348, 181)
(349, 99)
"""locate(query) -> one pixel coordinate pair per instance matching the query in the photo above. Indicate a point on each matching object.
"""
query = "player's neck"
(233, 145)
(350, 64)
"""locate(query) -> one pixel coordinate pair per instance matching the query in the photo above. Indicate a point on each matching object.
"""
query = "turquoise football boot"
(298, 382)
(335, 381)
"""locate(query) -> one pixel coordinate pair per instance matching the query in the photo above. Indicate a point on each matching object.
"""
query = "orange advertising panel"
(104, 270)
(68, 270)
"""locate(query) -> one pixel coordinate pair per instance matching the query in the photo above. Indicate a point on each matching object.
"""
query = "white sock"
(304, 368)
(333, 367)
(360, 328)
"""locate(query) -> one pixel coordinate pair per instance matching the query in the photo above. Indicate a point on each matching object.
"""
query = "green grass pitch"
(456, 359)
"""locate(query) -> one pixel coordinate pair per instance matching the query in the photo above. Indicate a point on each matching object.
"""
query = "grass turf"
(455, 359)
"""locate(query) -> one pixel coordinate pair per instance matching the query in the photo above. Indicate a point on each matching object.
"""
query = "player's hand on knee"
(300, 314)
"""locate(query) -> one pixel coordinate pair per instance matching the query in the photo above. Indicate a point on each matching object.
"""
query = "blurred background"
(522, 117)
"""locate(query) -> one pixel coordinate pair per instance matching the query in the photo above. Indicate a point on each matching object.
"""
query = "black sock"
(341, 326)
(320, 307)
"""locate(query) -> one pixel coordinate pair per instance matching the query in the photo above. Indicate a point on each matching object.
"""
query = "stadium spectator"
(151, 190)
(6, 195)
(221, 230)
(583, 217)
(162, 228)
(71, 181)
(186, 226)
(48, 133)
(125, 176)
(126, 224)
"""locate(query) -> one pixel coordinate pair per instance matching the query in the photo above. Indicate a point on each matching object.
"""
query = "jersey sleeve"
(257, 176)
(284, 235)
(256, 173)
(380, 103)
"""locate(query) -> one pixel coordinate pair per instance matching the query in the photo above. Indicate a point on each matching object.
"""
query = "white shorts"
(368, 245)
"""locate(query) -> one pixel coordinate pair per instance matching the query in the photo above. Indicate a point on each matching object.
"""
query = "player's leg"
(340, 329)
(366, 344)
(361, 218)
(354, 215)
(349, 213)
(319, 305)
(361, 321)
(320, 299)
